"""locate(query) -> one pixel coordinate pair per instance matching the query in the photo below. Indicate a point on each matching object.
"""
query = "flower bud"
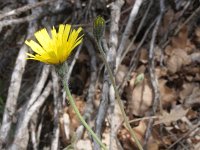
(98, 27)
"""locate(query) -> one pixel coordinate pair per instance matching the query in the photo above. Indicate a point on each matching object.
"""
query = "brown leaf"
(174, 64)
(186, 91)
(121, 72)
(167, 95)
(125, 137)
(178, 58)
(167, 20)
(161, 71)
(175, 114)
(181, 40)
(73, 117)
(140, 130)
(153, 144)
(190, 94)
(139, 97)
(144, 56)
(168, 50)
(197, 33)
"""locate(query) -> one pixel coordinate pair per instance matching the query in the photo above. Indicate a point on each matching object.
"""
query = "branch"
(18, 140)
(128, 29)
(153, 77)
(24, 8)
(114, 112)
(57, 110)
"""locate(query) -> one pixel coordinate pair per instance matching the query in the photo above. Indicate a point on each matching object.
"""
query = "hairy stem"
(72, 103)
(98, 42)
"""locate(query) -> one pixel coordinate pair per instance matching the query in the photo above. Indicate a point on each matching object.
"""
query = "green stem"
(118, 96)
(72, 103)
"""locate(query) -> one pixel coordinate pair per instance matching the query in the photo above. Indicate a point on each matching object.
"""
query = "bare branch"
(18, 140)
(32, 106)
(113, 41)
(24, 8)
(57, 109)
(128, 29)
(153, 77)
(13, 92)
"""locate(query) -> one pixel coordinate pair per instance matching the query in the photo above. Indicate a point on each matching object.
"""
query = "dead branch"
(19, 137)
(153, 77)
(15, 84)
(57, 110)
(113, 42)
(17, 21)
(33, 137)
(127, 31)
(24, 8)
(32, 106)
(102, 108)
(137, 32)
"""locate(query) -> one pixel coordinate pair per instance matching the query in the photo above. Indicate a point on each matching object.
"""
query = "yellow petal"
(43, 38)
(35, 47)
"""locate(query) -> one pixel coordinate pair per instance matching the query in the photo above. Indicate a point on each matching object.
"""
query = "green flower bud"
(98, 27)
(139, 78)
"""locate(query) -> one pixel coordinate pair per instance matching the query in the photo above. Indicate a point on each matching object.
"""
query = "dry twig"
(24, 8)
(35, 102)
(153, 77)
(113, 42)
(57, 109)
(13, 91)
(127, 31)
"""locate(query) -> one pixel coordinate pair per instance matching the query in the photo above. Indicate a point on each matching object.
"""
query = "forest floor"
(153, 49)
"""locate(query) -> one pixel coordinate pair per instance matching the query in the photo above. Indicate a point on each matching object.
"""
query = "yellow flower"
(54, 49)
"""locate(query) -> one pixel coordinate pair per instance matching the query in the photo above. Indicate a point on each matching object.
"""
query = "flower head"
(54, 49)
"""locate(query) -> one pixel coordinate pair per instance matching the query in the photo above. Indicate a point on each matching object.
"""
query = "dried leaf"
(175, 114)
(167, 95)
(186, 91)
(178, 58)
(191, 94)
(167, 19)
(144, 56)
(153, 144)
(139, 97)
(168, 50)
(121, 72)
(160, 72)
(197, 33)
(140, 130)
(125, 137)
(174, 64)
(181, 40)
(73, 117)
